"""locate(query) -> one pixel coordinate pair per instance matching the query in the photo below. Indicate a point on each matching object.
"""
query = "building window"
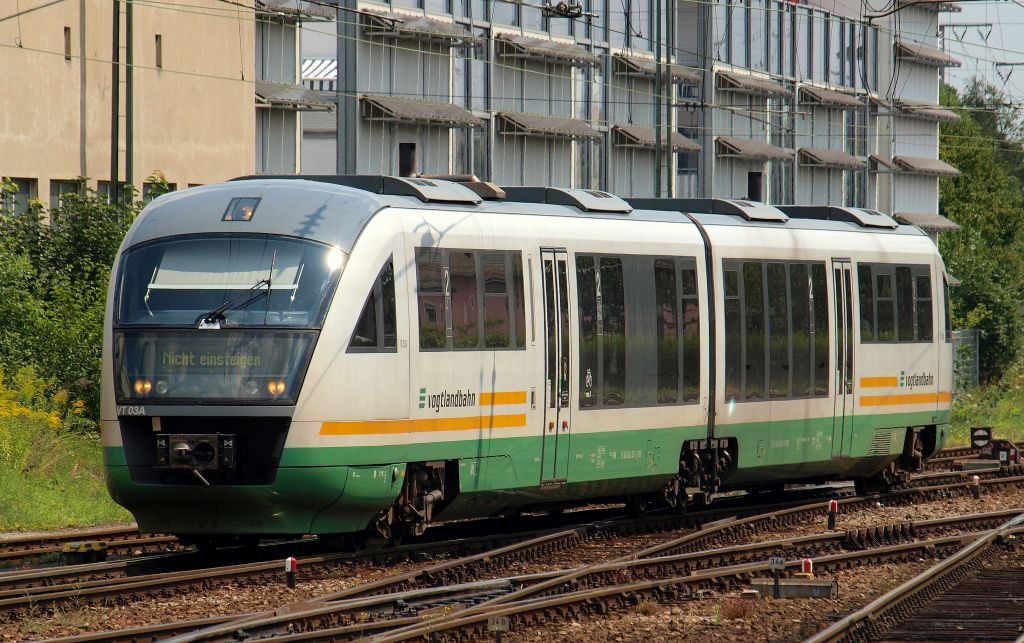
(106, 188)
(151, 191)
(16, 201)
(67, 43)
(59, 188)
(159, 51)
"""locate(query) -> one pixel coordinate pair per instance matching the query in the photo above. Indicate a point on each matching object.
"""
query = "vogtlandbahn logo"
(916, 379)
(446, 400)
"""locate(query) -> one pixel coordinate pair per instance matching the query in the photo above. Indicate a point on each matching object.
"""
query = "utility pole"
(670, 102)
(348, 96)
(115, 95)
(129, 92)
(658, 77)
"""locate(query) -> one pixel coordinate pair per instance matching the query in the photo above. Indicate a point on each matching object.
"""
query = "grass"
(999, 405)
(51, 468)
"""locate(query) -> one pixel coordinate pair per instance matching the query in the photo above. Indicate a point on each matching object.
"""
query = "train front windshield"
(225, 318)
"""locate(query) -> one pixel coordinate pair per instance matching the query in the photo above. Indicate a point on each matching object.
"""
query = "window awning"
(319, 69)
(927, 221)
(400, 26)
(319, 123)
(826, 158)
(283, 96)
(926, 111)
(751, 85)
(929, 167)
(386, 108)
(516, 124)
(646, 68)
(828, 97)
(924, 55)
(881, 164)
(639, 136)
(292, 10)
(552, 51)
(750, 150)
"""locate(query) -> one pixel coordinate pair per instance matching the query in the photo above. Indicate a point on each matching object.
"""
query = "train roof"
(334, 210)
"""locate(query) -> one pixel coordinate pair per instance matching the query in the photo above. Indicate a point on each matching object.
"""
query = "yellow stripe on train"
(905, 398)
(471, 423)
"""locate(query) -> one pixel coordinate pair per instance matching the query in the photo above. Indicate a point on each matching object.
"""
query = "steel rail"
(870, 621)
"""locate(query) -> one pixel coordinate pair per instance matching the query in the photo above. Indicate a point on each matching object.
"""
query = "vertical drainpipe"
(83, 103)
(115, 94)
(129, 129)
(658, 69)
(670, 117)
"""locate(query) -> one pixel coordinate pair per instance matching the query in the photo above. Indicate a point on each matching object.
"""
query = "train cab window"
(470, 299)
(376, 330)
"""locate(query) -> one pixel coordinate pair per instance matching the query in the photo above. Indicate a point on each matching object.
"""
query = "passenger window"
(819, 306)
(461, 291)
(612, 327)
(586, 288)
(430, 275)
(886, 307)
(778, 331)
(904, 304)
(754, 344)
(800, 305)
(691, 332)
(496, 309)
(867, 303)
(377, 329)
(666, 309)
(923, 303)
(733, 333)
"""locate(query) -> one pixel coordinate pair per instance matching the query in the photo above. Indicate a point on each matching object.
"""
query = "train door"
(842, 422)
(556, 428)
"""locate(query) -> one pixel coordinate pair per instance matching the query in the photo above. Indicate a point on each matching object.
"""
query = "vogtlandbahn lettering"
(446, 400)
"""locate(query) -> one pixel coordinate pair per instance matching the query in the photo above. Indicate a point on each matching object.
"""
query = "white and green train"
(332, 355)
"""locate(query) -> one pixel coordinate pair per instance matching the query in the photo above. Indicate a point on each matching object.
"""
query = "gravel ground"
(773, 621)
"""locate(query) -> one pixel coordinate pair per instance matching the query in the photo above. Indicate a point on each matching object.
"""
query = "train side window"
(463, 299)
(820, 331)
(518, 300)
(923, 303)
(904, 304)
(800, 318)
(867, 303)
(586, 289)
(496, 300)
(376, 329)
(613, 329)
(946, 314)
(666, 307)
(733, 331)
(691, 332)
(430, 289)
(778, 332)
(754, 343)
(885, 303)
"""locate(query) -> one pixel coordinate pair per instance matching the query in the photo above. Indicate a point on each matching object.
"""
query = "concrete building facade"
(205, 91)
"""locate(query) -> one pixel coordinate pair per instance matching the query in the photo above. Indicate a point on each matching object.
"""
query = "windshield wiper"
(214, 318)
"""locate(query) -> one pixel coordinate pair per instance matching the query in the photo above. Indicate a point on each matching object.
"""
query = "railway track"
(395, 596)
(117, 540)
(958, 597)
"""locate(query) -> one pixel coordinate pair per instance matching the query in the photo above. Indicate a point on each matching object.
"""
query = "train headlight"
(161, 387)
(275, 387)
(252, 388)
(143, 387)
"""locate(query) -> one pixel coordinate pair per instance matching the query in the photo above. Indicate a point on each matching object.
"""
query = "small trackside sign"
(497, 624)
(777, 563)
